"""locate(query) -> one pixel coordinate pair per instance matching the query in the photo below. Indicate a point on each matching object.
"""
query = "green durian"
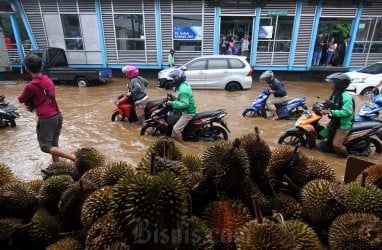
(88, 158)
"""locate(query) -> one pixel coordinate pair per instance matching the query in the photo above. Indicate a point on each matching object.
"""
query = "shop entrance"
(235, 28)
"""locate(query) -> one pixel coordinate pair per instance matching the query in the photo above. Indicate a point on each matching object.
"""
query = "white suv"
(227, 72)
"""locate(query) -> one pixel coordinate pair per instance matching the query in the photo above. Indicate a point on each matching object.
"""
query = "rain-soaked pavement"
(87, 123)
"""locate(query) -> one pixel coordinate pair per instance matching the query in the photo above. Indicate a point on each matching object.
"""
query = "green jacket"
(185, 100)
(343, 113)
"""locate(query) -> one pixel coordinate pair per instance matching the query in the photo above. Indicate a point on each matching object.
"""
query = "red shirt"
(48, 107)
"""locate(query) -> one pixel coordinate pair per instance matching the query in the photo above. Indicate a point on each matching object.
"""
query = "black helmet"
(340, 80)
(266, 76)
(177, 76)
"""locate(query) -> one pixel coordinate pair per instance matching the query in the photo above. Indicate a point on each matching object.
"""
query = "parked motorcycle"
(8, 113)
(291, 109)
(307, 131)
(124, 109)
(370, 110)
(202, 127)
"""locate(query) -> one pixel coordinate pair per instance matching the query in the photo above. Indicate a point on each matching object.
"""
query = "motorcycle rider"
(341, 113)
(276, 87)
(185, 102)
(137, 90)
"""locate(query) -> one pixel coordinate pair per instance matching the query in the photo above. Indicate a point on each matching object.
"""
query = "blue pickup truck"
(57, 68)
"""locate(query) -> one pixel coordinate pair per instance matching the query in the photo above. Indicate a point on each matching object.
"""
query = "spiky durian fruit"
(71, 201)
(195, 235)
(162, 147)
(61, 168)
(287, 205)
(367, 199)
(287, 164)
(373, 175)
(322, 201)
(88, 158)
(356, 231)
(259, 154)
(303, 235)
(192, 162)
(226, 167)
(103, 233)
(67, 243)
(6, 175)
(320, 169)
(44, 228)
(94, 176)
(35, 185)
(7, 227)
(96, 205)
(265, 235)
(223, 218)
(17, 200)
(112, 172)
(52, 189)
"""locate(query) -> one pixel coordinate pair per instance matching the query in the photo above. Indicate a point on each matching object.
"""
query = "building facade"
(114, 33)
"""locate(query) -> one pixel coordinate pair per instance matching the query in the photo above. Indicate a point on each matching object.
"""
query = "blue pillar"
(314, 33)
(217, 22)
(158, 31)
(255, 37)
(296, 26)
(100, 32)
(353, 34)
(16, 33)
(26, 25)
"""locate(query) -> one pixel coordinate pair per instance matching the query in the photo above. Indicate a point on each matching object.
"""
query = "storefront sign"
(188, 33)
(277, 13)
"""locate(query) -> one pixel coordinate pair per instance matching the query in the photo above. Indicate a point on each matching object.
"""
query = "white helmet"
(266, 76)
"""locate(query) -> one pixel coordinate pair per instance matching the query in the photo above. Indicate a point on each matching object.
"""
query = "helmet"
(130, 71)
(178, 76)
(340, 80)
(266, 76)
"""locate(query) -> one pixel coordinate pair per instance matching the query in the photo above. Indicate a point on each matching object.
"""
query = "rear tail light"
(250, 73)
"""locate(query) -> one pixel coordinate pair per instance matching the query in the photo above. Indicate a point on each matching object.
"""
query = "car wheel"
(168, 85)
(367, 92)
(233, 86)
(82, 82)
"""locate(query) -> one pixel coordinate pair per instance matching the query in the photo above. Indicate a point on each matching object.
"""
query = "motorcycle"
(307, 131)
(290, 109)
(370, 110)
(8, 113)
(202, 127)
(124, 109)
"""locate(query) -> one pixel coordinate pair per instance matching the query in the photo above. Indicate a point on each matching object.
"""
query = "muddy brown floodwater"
(87, 123)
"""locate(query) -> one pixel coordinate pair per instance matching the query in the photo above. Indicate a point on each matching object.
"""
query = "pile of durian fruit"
(236, 195)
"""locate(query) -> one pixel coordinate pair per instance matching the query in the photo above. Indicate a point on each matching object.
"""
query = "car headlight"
(358, 80)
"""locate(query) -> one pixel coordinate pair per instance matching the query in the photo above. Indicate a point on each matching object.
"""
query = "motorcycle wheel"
(292, 139)
(12, 122)
(152, 130)
(251, 113)
(375, 145)
(219, 133)
(295, 114)
(117, 117)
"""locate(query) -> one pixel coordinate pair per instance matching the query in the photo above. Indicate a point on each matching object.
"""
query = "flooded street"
(87, 123)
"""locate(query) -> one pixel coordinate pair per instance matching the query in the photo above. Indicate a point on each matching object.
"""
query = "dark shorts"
(48, 131)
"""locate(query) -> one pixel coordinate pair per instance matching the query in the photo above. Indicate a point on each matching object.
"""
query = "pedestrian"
(245, 45)
(39, 94)
(342, 50)
(276, 87)
(185, 102)
(332, 45)
(318, 45)
(137, 90)
(340, 109)
(171, 58)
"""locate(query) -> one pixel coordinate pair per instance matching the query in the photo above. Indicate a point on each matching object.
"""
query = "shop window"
(129, 32)
(275, 34)
(72, 32)
(369, 36)
(187, 32)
